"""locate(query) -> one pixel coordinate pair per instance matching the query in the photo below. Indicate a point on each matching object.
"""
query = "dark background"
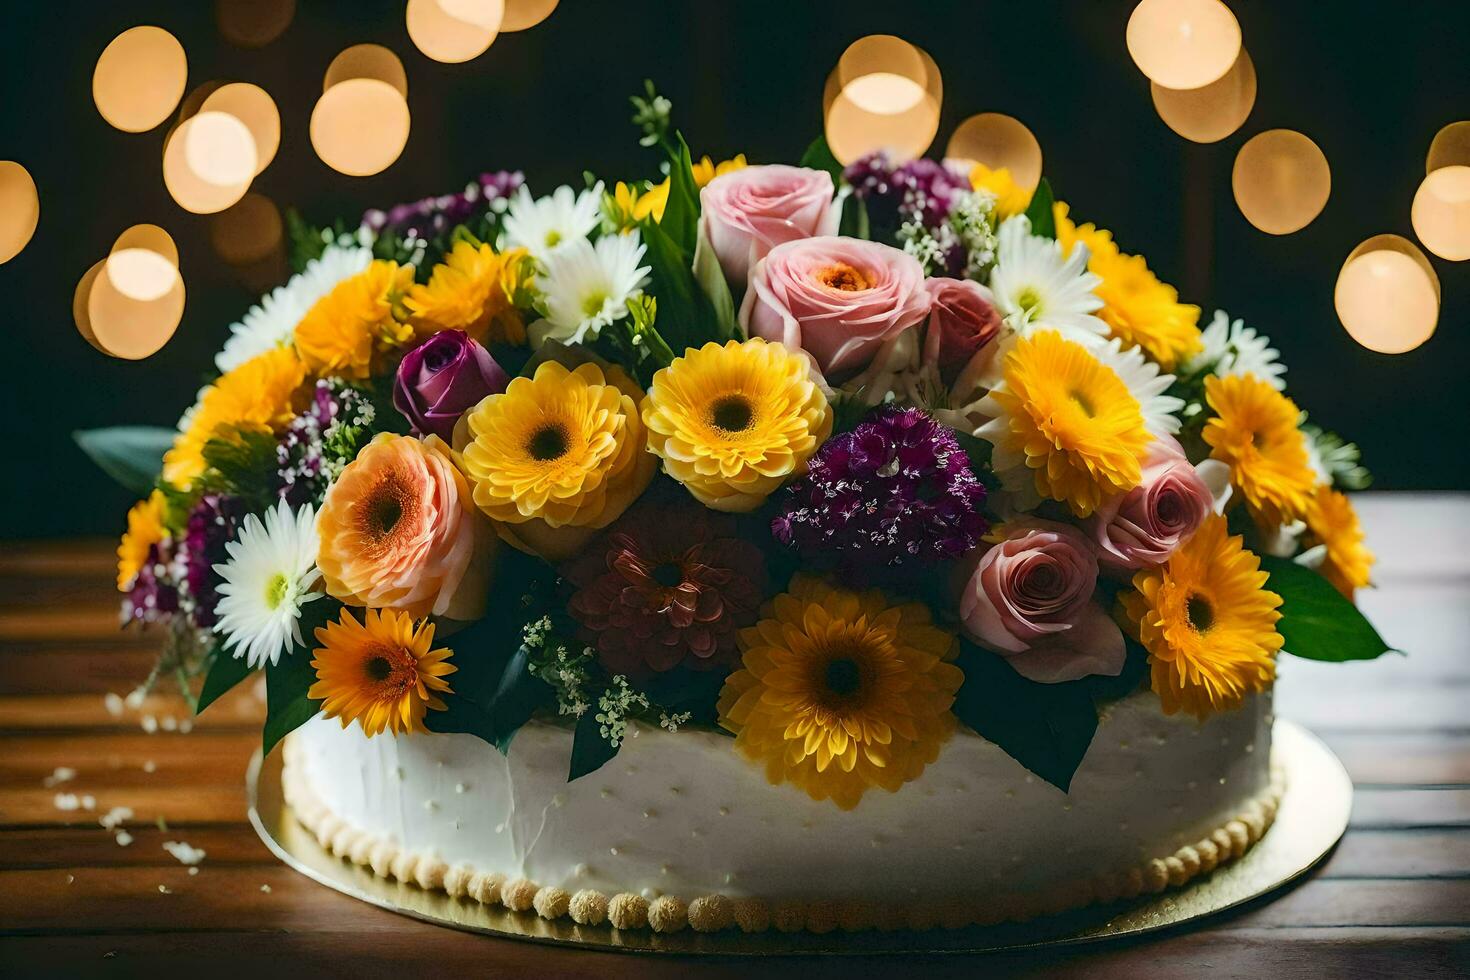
(1370, 82)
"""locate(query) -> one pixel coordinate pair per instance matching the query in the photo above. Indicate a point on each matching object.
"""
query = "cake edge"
(712, 913)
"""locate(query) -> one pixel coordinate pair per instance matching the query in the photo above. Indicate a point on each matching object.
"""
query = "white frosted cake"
(679, 829)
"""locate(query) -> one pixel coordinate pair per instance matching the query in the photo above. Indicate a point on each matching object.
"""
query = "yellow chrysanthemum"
(359, 318)
(731, 423)
(841, 691)
(1208, 623)
(1254, 431)
(145, 529)
(384, 673)
(257, 395)
(1073, 420)
(1332, 523)
(657, 197)
(1010, 198)
(560, 449)
(1138, 308)
(472, 290)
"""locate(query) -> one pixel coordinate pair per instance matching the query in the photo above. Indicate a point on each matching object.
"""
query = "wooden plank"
(216, 803)
(75, 669)
(1403, 758)
(90, 620)
(242, 708)
(94, 847)
(60, 557)
(1330, 703)
(1404, 808)
(126, 759)
(1437, 853)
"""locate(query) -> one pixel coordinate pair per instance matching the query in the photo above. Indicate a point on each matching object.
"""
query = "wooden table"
(1392, 901)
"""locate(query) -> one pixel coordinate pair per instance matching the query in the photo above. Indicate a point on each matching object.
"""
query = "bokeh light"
(1450, 147)
(247, 232)
(998, 140)
(129, 328)
(139, 78)
(219, 149)
(442, 36)
(1281, 181)
(367, 61)
(253, 23)
(254, 107)
(521, 14)
(883, 74)
(1441, 213)
(853, 132)
(20, 209)
(1212, 112)
(360, 126)
(1183, 44)
(187, 186)
(144, 263)
(1387, 295)
(79, 300)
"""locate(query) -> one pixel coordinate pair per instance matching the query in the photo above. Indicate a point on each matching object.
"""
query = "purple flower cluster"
(929, 210)
(897, 488)
(153, 596)
(212, 523)
(921, 190)
(321, 440)
(433, 216)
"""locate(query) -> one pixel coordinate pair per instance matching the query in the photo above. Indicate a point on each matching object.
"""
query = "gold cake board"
(1310, 821)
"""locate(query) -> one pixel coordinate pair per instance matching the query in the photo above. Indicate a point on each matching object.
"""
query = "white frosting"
(684, 814)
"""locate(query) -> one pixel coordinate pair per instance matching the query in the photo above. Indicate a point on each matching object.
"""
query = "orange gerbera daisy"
(472, 290)
(362, 316)
(1254, 431)
(384, 673)
(1333, 524)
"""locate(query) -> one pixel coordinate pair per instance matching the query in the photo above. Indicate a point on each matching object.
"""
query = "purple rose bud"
(441, 379)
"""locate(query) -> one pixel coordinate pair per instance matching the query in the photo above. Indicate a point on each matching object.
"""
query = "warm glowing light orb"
(998, 140)
(884, 74)
(254, 107)
(219, 149)
(486, 14)
(80, 297)
(1212, 112)
(360, 126)
(139, 78)
(367, 61)
(253, 23)
(248, 232)
(1450, 147)
(20, 209)
(1183, 44)
(445, 37)
(1281, 181)
(853, 132)
(189, 188)
(1387, 295)
(129, 328)
(521, 14)
(144, 263)
(1441, 213)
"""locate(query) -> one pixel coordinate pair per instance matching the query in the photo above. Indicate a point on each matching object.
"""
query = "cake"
(864, 543)
(681, 831)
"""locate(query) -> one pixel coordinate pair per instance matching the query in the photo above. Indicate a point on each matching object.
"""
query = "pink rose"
(1030, 599)
(962, 321)
(1141, 528)
(838, 299)
(747, 212)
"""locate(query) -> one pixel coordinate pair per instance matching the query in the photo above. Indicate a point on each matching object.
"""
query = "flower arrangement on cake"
(842, 465)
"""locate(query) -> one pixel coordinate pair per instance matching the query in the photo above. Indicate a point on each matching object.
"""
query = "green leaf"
(590, 751)
(1318, 622)
(818, 156)
(1045, 727)
(1043, 220)
(287, 707)
(130, 454)
(716, 289)
(854, 220)
(225, 671)
(685, 316)
(681, 214)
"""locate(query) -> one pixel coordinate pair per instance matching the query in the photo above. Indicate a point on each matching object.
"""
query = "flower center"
(732, 413)
(553, 239)
(1201, 613)
(548, 443)
(845, 278)
(593, 303)
(391, 668)
(669, 574)
(383, 514)
(843, 677)
(1029, 301)
(1081, 400)
(275, 590)
(378, 668)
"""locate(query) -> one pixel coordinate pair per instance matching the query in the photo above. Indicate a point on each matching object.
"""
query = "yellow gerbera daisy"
(1010, 198)
(1070, 419)
(705, 170)
(841, 691)
(731, 423)
(1207, 622)
(145, 529)
(360, 317)
(472, 290)
(1333, 524)
(259, 394)
(384, 673)
(1254, 431)
(560, 449)
(1099, 241)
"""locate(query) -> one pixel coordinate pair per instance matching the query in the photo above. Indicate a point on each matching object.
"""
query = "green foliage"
(711, 280)
(686, 317)
(307, 242)
(590, 751)
(1043, 220)
(681, 213)
(287, 706)
(651, 115)
(818, 156)
(854, 222)
(241, 463)
(225, 671)
(130, 454)
(1318, 622)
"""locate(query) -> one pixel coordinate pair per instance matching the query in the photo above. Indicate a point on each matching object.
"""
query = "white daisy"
(540, 225)
(585, 287)
(271, 323)
(1232, 348)
(1036, 287)
(1146, 383)
(267, 579)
